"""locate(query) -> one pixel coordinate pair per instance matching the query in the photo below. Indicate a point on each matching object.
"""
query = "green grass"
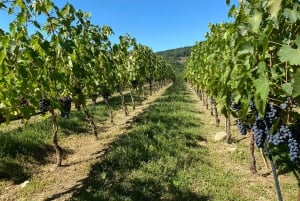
(167, 155)
(161, 158)
(27, 146)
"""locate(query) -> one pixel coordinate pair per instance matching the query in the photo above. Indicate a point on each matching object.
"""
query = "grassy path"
(169, 154)
(163, 151)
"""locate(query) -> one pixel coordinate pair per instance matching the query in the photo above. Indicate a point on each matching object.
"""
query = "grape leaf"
(296, 84)
(262, 89)
(274, 7)
(292, 14)
(2, 55)
(289, 54)
(255, 20)
(288, 88)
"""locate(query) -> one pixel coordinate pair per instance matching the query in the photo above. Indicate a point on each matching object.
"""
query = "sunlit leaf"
(2, 55)
(296, 84)
(288, 88)
(274, 7)
(255, 20)
(292, 14)
(289, 54)
(262, 89)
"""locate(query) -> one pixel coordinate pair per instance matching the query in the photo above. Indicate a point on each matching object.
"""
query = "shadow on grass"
(31, 144)
(11, 170)
(76, 124)
(23, 146)
(149, 162)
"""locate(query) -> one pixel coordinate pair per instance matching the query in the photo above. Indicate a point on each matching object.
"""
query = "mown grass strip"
(162, 158)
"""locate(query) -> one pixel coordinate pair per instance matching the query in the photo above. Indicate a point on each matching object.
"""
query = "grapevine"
(65, 58)
(251, 65)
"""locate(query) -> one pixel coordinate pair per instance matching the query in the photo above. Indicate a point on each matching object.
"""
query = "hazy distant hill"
(176, 56)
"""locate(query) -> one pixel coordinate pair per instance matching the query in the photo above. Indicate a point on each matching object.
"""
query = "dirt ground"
(58, 183)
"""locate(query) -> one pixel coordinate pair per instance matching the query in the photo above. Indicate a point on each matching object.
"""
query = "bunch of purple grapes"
(235, 106)
(65, 104)
(252, 105)
(44, 105)
(280, 136)
(106, 94)
(271, 115)
(294, 142)
(243, 128)
(260, 131)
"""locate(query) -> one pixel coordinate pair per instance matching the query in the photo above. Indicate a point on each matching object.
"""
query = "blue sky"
(159, 24)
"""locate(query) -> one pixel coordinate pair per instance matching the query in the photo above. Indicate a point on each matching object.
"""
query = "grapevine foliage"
(51, 56)
(251, 65)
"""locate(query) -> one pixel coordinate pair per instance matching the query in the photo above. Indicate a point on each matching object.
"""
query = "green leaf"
(245, 48)
(12, 27)
(289, 54)
(48, 6)
(292, 14)
(65, 11)
(288, 88)
(262, 89)
(255, 21)
(36, 24)
(231, 11)
(296, 84)
(2, 5)
(2, 55)
(274, 7)
(21, 18)
(10, 10)
(20, 4)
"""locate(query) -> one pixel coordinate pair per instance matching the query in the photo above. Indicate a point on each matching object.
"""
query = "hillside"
(176, 56)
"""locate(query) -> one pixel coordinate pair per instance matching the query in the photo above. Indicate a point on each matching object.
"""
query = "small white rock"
(231, 149)
(220, 136)
(24, 184)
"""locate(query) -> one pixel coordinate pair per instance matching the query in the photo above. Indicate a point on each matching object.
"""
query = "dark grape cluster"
(252, 105)
(294, 142)
(243, 128)
(294, 148)
(235, 106)
(65, 104)
(44, 105)
(262, 126)
(280, 136)
(260, 131)
(270, 128)
(270, 115)
(134, 84)
(106, 94)
(287, 135)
